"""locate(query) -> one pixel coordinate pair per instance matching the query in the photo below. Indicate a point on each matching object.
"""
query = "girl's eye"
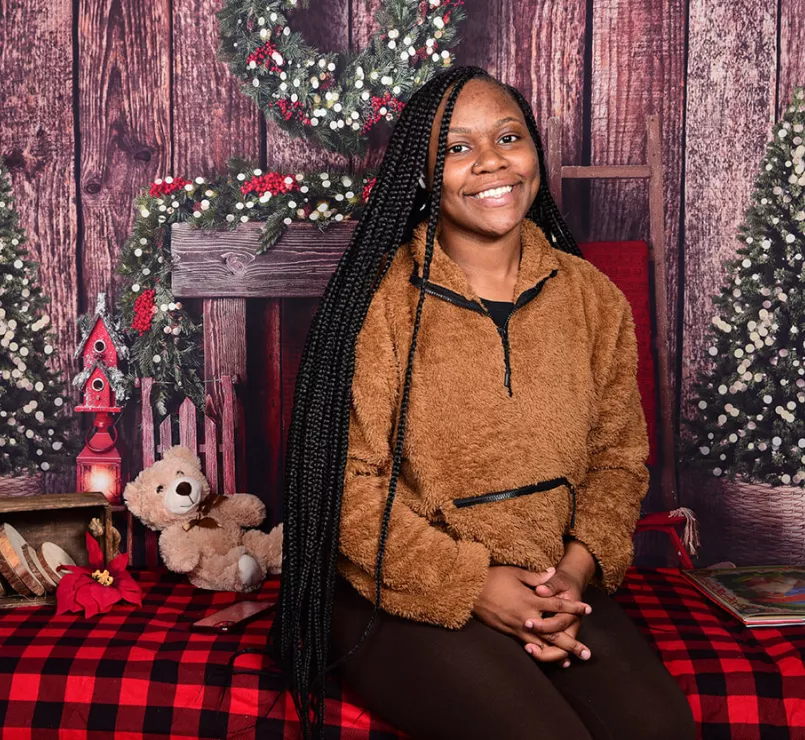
(160, 489)
(508, 136)
(451, 148)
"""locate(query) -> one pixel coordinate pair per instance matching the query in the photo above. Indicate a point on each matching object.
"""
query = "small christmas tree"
(34, 430)
(750, 403)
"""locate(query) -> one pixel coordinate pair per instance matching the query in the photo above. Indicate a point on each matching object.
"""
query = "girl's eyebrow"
(498, 123)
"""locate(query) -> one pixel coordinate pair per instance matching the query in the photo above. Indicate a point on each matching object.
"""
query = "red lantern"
(98, 465)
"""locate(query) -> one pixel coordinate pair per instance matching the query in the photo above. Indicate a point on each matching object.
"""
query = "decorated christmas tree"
(34, 428)
(749, 404)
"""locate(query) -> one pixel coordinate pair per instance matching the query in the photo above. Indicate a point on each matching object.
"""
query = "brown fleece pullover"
(516, 438)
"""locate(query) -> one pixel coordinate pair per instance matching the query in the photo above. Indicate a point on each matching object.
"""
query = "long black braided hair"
(318, 435)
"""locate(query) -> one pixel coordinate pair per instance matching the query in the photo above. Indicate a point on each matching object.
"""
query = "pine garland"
(750, 401)
(331, 99)
(34, 400)
(165, 341)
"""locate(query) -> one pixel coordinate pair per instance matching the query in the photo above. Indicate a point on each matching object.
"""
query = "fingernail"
(585, 654)
(566, 664)
(529, 649)
(551, 569)
(529, 624)
(588, 610)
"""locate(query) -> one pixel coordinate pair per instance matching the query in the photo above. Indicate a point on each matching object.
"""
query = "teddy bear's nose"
(184, 488)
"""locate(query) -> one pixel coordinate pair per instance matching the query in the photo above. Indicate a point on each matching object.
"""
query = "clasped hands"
(514, 601)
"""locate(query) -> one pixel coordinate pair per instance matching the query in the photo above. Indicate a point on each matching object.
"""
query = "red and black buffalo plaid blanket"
(139, 673)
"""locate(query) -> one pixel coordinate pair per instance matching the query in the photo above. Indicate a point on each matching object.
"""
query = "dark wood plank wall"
(38, 138)
(99, 97)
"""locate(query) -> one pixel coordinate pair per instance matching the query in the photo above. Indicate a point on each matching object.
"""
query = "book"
(760, 596)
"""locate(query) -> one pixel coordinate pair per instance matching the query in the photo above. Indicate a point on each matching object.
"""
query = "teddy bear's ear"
(185, 454)
(133, 497)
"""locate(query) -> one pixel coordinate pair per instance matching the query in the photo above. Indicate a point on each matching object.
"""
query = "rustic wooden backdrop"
(99, 97)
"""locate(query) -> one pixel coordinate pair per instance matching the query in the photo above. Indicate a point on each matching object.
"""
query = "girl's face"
(488, 148)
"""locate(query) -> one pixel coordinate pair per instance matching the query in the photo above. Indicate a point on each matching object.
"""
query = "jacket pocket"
(488, 498)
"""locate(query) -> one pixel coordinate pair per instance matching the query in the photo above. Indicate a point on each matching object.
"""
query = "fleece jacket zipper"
(503, 331)
(486, 498)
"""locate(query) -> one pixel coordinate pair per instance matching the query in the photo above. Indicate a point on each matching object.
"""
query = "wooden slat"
(212, 119)
(732, 49)
(657, 248)
(618, 172)
(187, 425)
(147, 431)
(38, 141)
(325, 25)
(265, 404)
(792, 51)
(225, 264)
(225, 355)
(638, 69)
(124, 116)
(541, 52)
(733, 43)
(555, 156)
(296, 317)
(228, 435)
(47, 502)
(211, 446)
(165, 436)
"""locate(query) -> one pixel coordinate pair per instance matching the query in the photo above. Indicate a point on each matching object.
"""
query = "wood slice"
(36, 566)
(13, 564)
(51, 556)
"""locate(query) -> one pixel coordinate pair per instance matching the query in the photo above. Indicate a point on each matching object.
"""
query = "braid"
(318, 437)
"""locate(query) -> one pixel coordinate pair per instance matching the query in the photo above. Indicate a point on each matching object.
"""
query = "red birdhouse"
(102, 341)
(99, 394)
(101, 349)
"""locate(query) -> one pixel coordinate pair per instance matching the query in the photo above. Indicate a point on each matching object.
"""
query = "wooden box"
(62, 518)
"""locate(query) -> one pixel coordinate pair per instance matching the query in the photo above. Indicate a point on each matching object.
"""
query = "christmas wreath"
(329, 98)
(165, 340)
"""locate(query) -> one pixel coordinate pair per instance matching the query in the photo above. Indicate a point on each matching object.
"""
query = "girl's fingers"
(557, 623)
(532, 580)
(566, 642)
(559, 605)
(545, 653)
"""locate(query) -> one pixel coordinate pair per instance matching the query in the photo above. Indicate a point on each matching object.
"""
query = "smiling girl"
(466, 454)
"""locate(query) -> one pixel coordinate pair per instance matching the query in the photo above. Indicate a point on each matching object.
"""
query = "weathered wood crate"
(61, 518)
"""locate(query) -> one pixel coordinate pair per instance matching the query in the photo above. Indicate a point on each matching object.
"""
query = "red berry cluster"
(166, 188)
(263, 57)
(445, 4)
(143, 311)
(289, 109)
(391, 103)
(368, 189)
(270, 182)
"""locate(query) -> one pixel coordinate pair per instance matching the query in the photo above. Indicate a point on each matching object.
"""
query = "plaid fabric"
(742, 684)
(138, 674)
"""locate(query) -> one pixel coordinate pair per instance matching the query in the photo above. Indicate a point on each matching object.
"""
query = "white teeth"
(494, 193)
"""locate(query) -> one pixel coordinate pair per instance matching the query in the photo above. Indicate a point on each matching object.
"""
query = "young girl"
(466, 454)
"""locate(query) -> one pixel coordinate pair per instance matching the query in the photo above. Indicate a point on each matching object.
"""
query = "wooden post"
(657, 252)
(553, 155)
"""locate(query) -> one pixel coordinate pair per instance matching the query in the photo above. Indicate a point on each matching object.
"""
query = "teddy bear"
(202, 534)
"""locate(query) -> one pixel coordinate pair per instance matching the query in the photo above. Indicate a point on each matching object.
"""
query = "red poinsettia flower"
(95, 588)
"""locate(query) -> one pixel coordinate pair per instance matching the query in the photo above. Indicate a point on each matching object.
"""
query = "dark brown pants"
(476, 682)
